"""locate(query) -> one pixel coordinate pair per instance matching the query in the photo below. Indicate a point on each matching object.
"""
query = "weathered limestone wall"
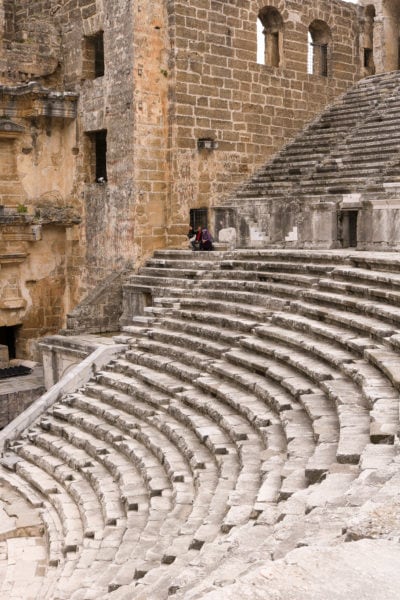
(36, 174)
(124, 218)
(251, 110)
(33, 41)
(153, 100)
(51, 169)
(32, 282)
(14, 403)
(106, 103)
(16, 394)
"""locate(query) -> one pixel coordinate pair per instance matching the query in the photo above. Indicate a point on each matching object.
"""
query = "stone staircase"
(347, 147)
(348, 158)
(255, 411)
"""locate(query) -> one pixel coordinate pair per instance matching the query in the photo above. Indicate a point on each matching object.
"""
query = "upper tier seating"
(352, 147)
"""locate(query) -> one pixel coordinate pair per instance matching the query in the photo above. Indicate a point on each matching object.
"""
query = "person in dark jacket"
(206, 240)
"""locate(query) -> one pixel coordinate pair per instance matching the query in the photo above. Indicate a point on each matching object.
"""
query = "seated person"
(191, 234)
(206, 240)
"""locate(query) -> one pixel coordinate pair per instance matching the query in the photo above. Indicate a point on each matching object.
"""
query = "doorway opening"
(199, 217)
(347, 228)
(8, 337)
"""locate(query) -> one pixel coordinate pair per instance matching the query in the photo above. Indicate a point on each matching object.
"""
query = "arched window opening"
(269, 37)
(368, 45)
(319, 39)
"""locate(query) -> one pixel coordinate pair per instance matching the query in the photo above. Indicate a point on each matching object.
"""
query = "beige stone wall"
(32, 282)
(153, 79)
(252, 110)
(33, 40)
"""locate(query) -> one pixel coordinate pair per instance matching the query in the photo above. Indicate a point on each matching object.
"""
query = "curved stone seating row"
(234, 416)
(316, 371)
(210, 405)
(218, 450)
(213, 437)
(354, 344)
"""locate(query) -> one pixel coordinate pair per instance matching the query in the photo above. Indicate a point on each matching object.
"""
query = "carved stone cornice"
(33, 100)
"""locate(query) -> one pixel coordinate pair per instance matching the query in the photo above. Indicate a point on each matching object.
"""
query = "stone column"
(379, 45)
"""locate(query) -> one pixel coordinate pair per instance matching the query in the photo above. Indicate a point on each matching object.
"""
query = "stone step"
(160, 363)
(79, 450)
(340, 392)
(175, 353)
(385, 313)
(300, 444)
(74, 484)
(281, 270)
(354, 322)
(209, 348)
(317, 360)
(353, 416)
(62, 503)
(131, 473)
(369, 260)
(199, 262)
(219, 321)
(368, 277)
(232, 282)
(324, 332)
(163, 382)
(167, 407)
(148, 435)
(386, 361)
(258, 313)
(356, 289)
(379, 392)
(180, 504)
(222, 294)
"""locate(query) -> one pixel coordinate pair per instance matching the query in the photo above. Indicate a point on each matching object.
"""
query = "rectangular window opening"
(93, 56)
(367, 57)
(317, 61)
(324, 60)
(101, 155)
(97, 155)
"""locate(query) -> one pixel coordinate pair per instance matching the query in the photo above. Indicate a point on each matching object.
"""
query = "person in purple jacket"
(206, 240)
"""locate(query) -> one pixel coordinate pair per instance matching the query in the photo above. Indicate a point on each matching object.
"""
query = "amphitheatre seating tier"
(253, 406)
(350, 147)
